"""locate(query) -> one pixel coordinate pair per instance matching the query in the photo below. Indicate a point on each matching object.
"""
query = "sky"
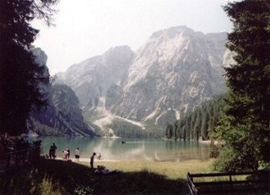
(86, 28)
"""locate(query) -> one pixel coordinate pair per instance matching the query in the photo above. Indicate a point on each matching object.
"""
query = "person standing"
(99, 156)
(53, 147)
(51, 152)
(65, 154)
(92, 160)
(68, 153)
(77, 154)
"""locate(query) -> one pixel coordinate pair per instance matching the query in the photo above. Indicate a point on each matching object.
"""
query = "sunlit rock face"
(63, 115)
(176, 70)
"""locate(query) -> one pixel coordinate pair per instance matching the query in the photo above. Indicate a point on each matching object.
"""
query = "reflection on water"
(113, 149)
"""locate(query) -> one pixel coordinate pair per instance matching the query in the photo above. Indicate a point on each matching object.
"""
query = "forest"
(199, 123)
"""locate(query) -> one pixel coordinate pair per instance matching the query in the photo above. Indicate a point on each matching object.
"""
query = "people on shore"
(53, 151)
(77, 154)
(65, 154)
(103, 170)
(99, 156)
(68, 152)
(92, 160)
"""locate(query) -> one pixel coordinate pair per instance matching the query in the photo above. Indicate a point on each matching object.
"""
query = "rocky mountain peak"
(92, 78)
(174, 71)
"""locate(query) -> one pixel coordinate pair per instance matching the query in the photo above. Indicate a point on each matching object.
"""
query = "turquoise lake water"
(131, 150)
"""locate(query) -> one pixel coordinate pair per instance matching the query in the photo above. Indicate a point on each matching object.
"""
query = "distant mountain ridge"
(174, 71)
(63, 116)
(92, 78)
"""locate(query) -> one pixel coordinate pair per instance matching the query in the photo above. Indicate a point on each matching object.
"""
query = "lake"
(131, 150)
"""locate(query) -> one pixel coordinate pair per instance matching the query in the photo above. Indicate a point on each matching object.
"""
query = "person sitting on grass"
(103, 170)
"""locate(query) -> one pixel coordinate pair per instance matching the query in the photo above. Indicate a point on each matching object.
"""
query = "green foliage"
(169, 131)
(20, 75)
(245, 128)
(83, 190)
(231, 160)
(128, 130)
(214, 149)
(201, 122)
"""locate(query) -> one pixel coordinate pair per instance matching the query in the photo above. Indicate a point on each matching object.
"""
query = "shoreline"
(169, 169)
(85, 160)
(172, 170)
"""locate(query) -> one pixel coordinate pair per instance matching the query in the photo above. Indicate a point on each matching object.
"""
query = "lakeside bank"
(172, 170)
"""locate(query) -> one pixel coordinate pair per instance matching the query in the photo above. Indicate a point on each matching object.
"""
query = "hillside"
(61, 117)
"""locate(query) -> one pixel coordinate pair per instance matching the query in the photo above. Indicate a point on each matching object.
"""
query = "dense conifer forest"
(199, 123)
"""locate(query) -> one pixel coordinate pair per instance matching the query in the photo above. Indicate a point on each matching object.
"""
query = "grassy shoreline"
(66, 177)
(172, 170)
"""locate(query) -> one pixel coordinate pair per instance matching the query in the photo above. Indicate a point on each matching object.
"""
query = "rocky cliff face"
(92, 78)
(63, 115)
(174, 71)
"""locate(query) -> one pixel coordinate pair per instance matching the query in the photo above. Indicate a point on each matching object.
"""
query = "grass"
(137, 177)
(171, 170)
(62, 177)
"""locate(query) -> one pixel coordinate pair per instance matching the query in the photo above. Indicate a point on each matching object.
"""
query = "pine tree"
(245, 127)
(204, 125)
(176, 132)
(197, 125)
(20, 75)
(192, 125)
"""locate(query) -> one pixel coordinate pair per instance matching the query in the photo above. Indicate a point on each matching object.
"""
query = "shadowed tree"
(20, 75)
(204, 125)
(245, 127)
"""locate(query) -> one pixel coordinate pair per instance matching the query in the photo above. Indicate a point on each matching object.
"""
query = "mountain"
(176, 70)
(92, 78)
(63, 115)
